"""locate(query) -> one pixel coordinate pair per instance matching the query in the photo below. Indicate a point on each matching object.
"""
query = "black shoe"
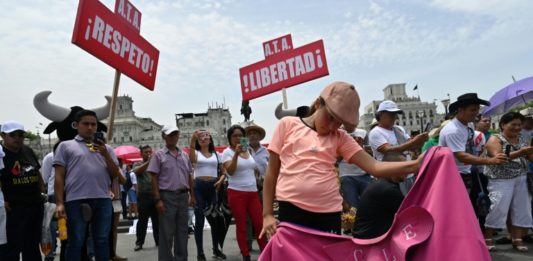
(503, 241)
(528, 239)
(138, 247)
(218, 254)
(246, 258)
(201, 257)
(191, 230)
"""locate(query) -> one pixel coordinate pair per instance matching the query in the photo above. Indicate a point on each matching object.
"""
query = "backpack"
(128, 184)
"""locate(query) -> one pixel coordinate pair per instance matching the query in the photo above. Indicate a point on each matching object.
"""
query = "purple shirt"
(86, 172)
(173, 170)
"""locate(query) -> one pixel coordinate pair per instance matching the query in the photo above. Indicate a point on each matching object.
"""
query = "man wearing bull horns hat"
(84, 169)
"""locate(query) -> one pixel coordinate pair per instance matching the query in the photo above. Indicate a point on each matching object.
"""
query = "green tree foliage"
(30, 135)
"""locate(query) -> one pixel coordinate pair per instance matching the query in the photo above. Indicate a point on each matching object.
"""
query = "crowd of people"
(315, 167)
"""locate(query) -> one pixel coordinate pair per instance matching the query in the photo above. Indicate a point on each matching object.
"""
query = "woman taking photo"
(507, 185)
(205, 159)
(242, 188)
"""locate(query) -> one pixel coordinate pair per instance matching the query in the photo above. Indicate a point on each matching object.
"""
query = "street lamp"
(49, 143)
(421, 117)
(446, 102)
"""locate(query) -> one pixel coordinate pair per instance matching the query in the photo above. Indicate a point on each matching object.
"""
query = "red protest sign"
(277, 45)
(129, 13)
(283, 70)
(103, 34)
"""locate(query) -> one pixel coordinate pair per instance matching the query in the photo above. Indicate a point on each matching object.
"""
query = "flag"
(416, 88)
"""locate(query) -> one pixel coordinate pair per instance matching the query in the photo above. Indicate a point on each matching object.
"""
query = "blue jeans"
(77, 228)
(352, 188)
(205, 194)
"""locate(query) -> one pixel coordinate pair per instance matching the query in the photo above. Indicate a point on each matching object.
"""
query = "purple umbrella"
(516, 94)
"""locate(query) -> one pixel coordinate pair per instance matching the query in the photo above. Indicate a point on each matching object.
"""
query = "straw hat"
(436, 131)
(252, 126)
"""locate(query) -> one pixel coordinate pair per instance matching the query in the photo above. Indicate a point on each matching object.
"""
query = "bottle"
(46, 248)
(62, 228)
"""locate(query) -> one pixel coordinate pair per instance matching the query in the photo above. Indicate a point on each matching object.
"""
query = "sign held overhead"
(283, 67)
(114, 38)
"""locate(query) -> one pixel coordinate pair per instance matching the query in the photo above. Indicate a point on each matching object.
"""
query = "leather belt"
(177, 191)
(206, 178)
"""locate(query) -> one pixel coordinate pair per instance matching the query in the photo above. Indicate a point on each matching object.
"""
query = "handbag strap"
(218, 164)
(479, 182)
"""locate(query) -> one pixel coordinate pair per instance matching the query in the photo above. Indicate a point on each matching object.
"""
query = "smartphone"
(507, 149)
(428, 127)
(245, 143)
(98, 136)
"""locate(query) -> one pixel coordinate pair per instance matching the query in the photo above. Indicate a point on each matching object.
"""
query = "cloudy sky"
(444, 46)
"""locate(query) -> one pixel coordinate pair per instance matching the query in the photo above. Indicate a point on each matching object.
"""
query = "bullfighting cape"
(435, 222)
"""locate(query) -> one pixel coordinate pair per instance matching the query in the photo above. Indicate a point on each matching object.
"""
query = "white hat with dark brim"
(168, 129)
(11, 126)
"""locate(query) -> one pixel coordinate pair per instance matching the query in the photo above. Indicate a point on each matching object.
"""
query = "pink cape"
(435, 222)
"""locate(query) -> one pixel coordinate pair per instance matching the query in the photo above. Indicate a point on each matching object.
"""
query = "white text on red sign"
(283, 70)
(104, 32)
(108, 36)
(277, 45)
(129, 13)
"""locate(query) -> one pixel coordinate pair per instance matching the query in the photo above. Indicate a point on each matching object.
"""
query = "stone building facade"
(130, 129)
(216, 120)
(417, 114)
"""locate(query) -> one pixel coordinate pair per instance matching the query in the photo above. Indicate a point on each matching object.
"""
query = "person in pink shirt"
(301, 174)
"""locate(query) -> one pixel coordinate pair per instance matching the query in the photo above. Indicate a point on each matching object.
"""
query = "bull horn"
(48, 110)
(299, 112)
(103, 112)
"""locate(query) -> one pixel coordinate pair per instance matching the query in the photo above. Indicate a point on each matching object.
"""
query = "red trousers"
(243, 203)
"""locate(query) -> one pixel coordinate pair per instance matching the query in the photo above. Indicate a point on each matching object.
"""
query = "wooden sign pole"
(113, 107)
(285, 103)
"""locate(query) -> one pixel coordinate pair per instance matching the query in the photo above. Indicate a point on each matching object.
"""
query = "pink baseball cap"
(342, 101)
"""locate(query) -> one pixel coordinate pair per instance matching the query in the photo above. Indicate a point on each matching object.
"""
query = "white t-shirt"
(347, 169)
(49, 172)
(243, 179)
(205, 167)
(379, 136)
(455, 135)
(133, 178)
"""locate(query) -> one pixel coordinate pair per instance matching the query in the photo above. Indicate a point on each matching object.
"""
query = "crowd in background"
(316, 167)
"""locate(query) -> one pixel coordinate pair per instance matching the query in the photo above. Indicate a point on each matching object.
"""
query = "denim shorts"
(132, 196)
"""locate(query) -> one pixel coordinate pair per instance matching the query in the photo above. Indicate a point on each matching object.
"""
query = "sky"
(443, 46)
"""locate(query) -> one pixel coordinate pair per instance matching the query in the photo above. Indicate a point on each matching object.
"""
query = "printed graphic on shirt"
(20, 170)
